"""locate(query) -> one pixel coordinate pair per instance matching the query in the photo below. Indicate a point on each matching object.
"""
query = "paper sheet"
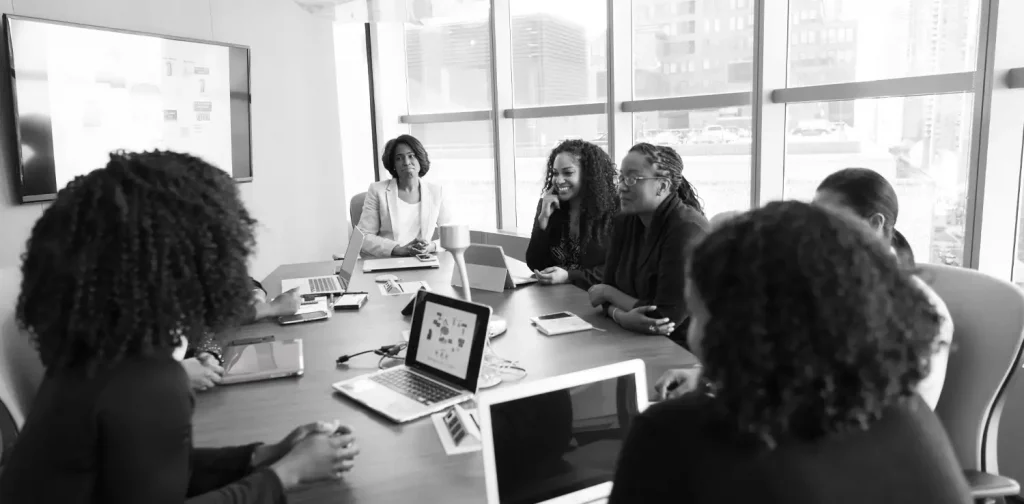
(320, 304)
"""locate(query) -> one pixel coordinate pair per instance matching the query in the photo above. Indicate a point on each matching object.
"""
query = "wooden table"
(405, 463)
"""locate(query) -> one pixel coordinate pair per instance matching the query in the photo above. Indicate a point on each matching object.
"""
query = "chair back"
(988, 333)
(355, 208)
(21, 371)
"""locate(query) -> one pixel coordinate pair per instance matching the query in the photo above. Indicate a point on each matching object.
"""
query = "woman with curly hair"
(813, 340)
(128, 263)
(662, 218)
(574, 216)
(400, 215)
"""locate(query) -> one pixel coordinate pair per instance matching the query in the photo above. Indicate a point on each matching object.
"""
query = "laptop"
(400, 263)
(584, 418)
(442, 362)
(335, 284)
(519, 273)
(264, 358)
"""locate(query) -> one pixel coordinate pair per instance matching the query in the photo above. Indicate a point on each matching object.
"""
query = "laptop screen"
(445, 340)
(348, 266)
(558, 443)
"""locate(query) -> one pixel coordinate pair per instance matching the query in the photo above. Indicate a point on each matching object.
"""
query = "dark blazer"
(539, 253)
(650, 265)
(682, 450)
(124, 436)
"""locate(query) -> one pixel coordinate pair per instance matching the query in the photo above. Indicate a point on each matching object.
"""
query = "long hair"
(131, 257)
(388, 158)
(668, 164)
(812, 326)
(599, 196)
(867, 193)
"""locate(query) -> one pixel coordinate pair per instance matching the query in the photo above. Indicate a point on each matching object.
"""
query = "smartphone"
(553, 316)
(302, 317)
(425, 257)
(351, 301)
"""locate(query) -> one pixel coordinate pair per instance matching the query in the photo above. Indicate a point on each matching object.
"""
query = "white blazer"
(380, 215)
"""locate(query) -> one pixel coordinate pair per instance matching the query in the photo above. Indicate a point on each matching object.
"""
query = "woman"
(400, 215)
(812, 339)
(574, 217)
(128, 262)
(662, 218)
(870, 197)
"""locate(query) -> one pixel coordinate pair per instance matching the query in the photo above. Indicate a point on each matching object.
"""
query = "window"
(462, 161)
(535, 138)
(448, 63)
(915, 43)
(718, 25)
(920, 144)
(715, 147)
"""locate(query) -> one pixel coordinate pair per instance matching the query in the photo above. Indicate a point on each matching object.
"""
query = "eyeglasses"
(631, 180)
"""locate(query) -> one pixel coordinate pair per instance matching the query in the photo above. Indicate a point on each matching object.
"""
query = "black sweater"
(541, 254)
(680, 451)
(125, 437)
(650, 264)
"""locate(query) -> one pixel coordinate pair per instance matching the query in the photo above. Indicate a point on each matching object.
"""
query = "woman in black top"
(812, 340)
(129, 260)
(662, 218)
(574, 217)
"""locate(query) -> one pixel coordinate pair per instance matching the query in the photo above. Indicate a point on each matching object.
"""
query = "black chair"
(988, 338)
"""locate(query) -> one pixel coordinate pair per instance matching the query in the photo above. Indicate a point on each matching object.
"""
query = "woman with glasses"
(574, 216)
(662, 218)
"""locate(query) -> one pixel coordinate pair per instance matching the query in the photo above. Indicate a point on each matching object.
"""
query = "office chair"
(988, 333)
(355, 208)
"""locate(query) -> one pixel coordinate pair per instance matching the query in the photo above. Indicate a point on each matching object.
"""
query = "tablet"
(263, 358)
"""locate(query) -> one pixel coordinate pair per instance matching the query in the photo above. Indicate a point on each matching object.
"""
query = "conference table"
(405, 463)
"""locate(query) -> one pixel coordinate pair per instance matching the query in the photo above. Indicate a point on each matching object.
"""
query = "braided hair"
(668, 164)
(133, 256)
(599, 195)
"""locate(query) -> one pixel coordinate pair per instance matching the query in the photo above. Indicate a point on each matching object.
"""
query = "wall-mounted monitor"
(81, 92)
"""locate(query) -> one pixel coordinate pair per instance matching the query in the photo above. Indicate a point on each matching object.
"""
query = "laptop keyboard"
(415, 386)
(322, 285)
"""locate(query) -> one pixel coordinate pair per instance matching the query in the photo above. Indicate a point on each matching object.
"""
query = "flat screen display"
(82, 92)
(446, 339)
(556, 444)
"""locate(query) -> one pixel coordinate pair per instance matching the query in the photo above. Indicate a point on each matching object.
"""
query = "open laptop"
(262, 358)
(400, 263)
(442, 362)
(584, 416)
(335, 284)
(493, 256)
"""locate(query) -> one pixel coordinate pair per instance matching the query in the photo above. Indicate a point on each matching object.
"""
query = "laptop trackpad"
(382, 398)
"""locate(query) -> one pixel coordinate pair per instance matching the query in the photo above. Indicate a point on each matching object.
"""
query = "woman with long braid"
(662, 217)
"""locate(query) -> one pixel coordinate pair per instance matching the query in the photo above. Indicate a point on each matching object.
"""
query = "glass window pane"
(887, 38)
(535, 138)
(920, 144)
(462, 161)
(707, 37)
(448, 57)
(715, 147)
(559, 52)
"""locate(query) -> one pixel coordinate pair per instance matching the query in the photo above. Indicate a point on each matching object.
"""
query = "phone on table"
(302, 317)
(425, 257)
(350, 301)
(553, 316)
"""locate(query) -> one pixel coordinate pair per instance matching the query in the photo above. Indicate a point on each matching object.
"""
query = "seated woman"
(126, 262)
(870, 197)
(662, 218)
(812, 339)
(400, 215)
(574, 217)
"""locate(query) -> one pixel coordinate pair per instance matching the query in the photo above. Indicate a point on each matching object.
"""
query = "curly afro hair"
(388, 158)
(812, 327)
(599, 195)
(131, 257)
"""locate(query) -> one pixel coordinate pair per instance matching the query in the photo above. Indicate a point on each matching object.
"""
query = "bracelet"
(615, 311)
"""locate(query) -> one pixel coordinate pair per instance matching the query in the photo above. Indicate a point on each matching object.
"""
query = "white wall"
(297, 192)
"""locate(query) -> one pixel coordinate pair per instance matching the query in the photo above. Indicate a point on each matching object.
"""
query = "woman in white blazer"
(401, 215)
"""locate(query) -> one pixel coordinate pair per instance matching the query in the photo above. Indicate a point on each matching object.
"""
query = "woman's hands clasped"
(310, 453)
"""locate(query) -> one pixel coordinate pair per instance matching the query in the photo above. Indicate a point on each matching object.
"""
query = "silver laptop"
(263, 358)
(519, 273)
(585, 415)
(400, 263)
(442, 363)
(335, 284)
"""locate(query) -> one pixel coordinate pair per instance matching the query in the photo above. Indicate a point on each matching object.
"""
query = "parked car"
(714, 134)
